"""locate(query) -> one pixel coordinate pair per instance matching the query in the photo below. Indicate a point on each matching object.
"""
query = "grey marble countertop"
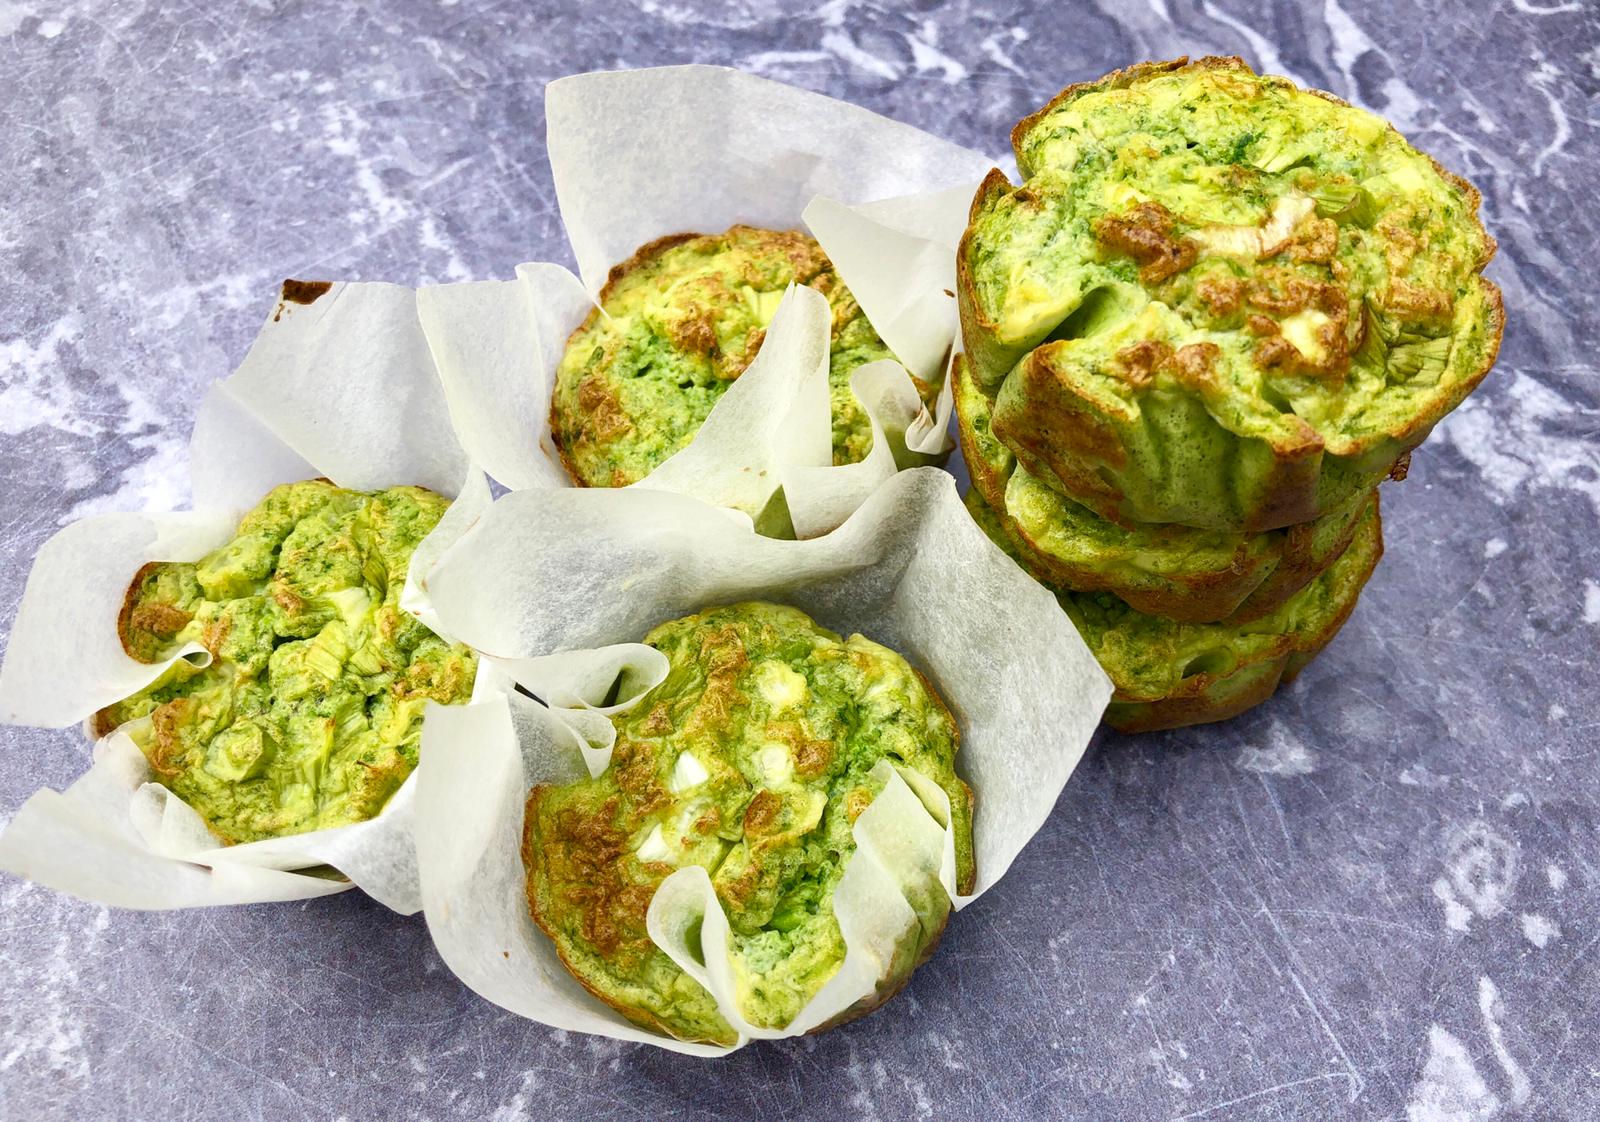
(1376, 897)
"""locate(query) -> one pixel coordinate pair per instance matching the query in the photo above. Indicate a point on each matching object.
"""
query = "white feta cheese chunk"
(687, 772)
(654, 848)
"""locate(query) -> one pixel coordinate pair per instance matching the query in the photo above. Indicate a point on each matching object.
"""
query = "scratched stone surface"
(1373, 898)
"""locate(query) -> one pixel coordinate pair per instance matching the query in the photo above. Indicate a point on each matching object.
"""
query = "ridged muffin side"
(1169, 674)
(1219, 300)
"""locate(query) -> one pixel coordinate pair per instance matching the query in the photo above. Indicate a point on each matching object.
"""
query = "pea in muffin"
(1220, 300)
(309, 712)
(1186, 573)
(752, 759)
(1169, 674)
(677, 324)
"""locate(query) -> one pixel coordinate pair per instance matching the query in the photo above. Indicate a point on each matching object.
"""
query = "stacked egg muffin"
(1217, 313)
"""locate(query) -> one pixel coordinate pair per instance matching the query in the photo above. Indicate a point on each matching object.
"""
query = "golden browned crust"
(1181, 710)
(1415, 430)
(1474, 196)
(641, 1017)
(1291, 486)
(1229, 586)
(886, 989)
(567, 463)
(619, 272)
(994, 183)
(1220, 587)
(1204, 597)
(985, 476)
(101, 724)
(1239, 586)
(1063, 438)
(1145, 234)
(1057, 422)
(642, 258)
(1300, 563)
(130, 601)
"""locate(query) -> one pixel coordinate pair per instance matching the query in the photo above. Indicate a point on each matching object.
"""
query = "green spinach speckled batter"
(309, 714)
(677, 324)
(751, 759)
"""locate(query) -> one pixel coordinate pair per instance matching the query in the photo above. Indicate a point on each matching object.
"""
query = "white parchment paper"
(638, 155)
(558, 586)
(343, 387)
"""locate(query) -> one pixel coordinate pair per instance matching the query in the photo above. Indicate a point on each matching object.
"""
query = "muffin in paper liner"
(675, 326)
(338, 384)
(1220, 300)
(641, 156)
(555, 587)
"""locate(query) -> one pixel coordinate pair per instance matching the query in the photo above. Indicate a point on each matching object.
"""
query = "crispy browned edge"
(1204, 597)
(1182, 711)
(100, 724)
(1189, 706)
(1237, 595)
(988, 481)
(1201, 683)
(1297, 567)
(641, 257)
(887, 987)
(978, 332)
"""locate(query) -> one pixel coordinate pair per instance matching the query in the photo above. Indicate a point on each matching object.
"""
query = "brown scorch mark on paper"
(300, 292)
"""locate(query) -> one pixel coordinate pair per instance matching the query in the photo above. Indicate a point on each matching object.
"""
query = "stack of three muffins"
(1217, 314)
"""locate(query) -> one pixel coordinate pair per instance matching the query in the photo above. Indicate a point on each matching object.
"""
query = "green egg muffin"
(309, 713)
(753, 760)
(1219, 300)
(1169, 674)
(1186, 573)
(677, 323)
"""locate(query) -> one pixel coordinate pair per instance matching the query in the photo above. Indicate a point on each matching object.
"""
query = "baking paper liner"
(558, 585)
(638, 155)
(341, 386)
